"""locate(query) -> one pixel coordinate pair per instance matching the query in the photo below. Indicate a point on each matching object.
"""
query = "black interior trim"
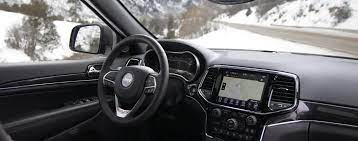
(66, 135)
(122, 19)
(14, 72)
(47, 79)
(44, 86)
(18, 124)
(103, 18)
(51, 123)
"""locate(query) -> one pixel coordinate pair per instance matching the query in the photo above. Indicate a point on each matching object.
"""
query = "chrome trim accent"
(181, 52)
(139, 60)
(332, 105)
(255, 70)
(119, 111)
(104, 77)
(44, 84)
(315, 121)
(298, 121)
(269, 100)
(122, 113)
(263, 132)
(92, 69)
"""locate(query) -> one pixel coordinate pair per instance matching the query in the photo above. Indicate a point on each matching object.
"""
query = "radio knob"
(232, 124)
(251, 120)
(216, 113)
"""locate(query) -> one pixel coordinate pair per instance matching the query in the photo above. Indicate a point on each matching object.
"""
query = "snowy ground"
(309, 16)
(305, 13)
(232, 38)
(323, 31)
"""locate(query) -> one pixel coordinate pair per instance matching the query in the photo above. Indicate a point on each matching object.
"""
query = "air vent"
(133, 62)
(283, 92)
(209, 82)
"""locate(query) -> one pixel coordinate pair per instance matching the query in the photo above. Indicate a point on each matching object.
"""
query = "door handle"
(94, 70)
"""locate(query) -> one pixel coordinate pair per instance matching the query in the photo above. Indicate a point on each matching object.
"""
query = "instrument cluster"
(183, 64)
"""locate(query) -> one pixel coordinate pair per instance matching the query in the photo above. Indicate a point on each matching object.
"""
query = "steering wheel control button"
(149, 90)
(150, 85)
(127, 80)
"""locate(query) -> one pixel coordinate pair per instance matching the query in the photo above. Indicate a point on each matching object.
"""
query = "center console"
(240, 99)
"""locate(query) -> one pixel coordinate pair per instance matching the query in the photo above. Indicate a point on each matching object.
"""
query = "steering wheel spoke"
(109, 78)
(122, 113)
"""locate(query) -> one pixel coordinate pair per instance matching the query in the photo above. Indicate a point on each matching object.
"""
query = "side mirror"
(91, 38)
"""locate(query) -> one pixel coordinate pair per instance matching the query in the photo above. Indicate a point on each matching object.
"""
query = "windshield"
(327, 27)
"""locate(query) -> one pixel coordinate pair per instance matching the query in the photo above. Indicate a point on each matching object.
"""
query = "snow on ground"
(12, 56)
(322, 31)
(232, 38)
(311, 13)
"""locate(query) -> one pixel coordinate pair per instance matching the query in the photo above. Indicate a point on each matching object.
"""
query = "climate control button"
(251, 120)
(232, 124)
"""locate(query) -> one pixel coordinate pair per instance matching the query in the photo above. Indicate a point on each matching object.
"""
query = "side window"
(39, 30)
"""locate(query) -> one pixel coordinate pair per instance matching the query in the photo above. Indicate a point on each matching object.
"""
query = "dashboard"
(266, 96)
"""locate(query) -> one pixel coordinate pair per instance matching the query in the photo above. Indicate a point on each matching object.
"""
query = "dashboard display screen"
(242, 89)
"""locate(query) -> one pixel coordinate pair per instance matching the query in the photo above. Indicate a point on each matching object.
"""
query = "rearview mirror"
(230, 2)
(90, 38)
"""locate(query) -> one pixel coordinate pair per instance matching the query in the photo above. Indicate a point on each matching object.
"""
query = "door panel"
(23, 71)
(40, 100)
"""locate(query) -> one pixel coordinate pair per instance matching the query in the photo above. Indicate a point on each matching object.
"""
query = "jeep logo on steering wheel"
(127, 80)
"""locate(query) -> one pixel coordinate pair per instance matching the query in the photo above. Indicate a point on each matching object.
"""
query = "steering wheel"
(3, 135)
(133, 85)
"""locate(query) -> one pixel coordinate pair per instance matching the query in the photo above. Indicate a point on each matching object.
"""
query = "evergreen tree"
(75, 9)
(36, 34)
(171, 28)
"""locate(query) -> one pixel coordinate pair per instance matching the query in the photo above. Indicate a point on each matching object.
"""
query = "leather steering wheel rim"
(3, 135)
(161, 81)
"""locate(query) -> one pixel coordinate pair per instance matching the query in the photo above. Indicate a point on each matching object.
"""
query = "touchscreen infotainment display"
(241, 89)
